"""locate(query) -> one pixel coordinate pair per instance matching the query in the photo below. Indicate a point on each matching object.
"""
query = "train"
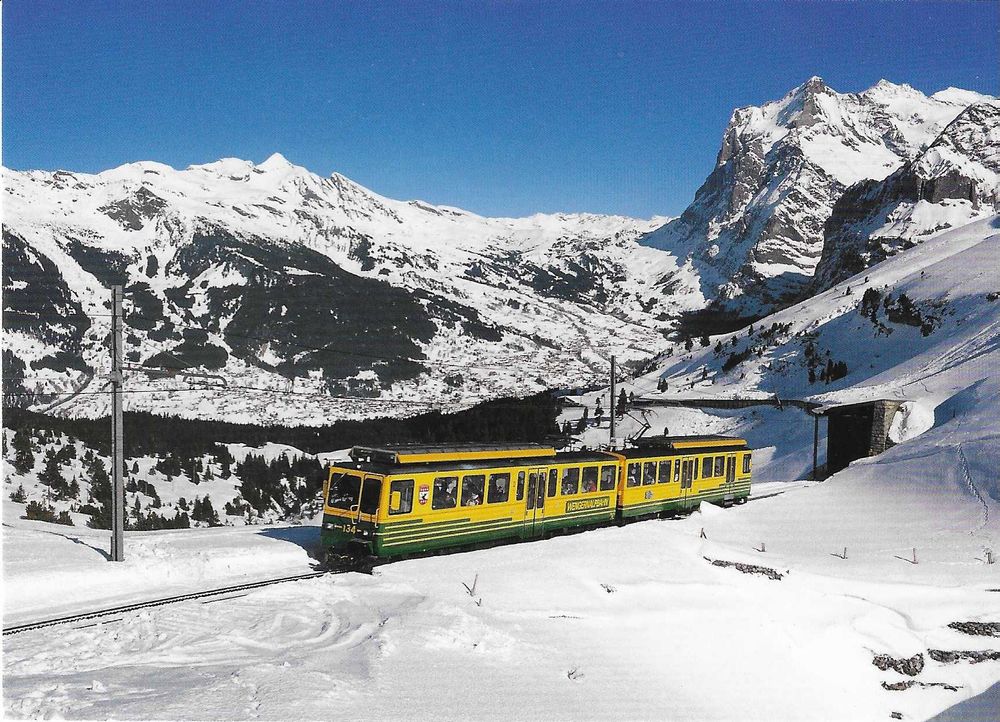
(397, 501)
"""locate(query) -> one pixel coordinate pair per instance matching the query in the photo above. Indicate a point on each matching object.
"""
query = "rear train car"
(675, 474)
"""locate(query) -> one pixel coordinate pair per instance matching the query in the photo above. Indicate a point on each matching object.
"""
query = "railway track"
(125, 608)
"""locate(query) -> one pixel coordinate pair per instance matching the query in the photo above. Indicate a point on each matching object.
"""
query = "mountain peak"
(814, 85)
(276, 161)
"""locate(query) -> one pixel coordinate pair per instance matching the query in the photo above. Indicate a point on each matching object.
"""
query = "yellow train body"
(406, 500)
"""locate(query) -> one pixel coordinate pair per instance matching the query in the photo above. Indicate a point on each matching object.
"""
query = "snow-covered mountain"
(954, 181)
(324, 300)
(754, 232)
(270, 276)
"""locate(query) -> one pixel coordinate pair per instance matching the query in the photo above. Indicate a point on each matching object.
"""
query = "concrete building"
(855, 431)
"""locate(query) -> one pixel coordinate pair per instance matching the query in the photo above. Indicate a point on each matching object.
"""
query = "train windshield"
(344, 490)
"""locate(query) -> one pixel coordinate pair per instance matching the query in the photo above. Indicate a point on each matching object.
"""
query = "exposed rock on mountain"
(954, 181)
(754, 233)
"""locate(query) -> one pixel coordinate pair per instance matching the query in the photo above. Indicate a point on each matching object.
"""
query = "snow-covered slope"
(922, 325)
(754, 232)
(280, 279)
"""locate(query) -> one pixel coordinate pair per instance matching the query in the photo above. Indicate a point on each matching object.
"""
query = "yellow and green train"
(403, 500)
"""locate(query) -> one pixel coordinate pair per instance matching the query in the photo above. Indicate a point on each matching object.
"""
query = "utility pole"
(815, 447)
(611, 435)
(117, 449)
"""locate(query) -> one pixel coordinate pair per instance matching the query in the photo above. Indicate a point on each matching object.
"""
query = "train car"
(392, 502)
(675, 474)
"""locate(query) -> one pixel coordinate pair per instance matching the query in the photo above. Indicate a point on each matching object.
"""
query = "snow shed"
(855, 431)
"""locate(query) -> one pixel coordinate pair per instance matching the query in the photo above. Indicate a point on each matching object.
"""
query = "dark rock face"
(873, 219)
(133, 212)
(311, 320)
(38, 303)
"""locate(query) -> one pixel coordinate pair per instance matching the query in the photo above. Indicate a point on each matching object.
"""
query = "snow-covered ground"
(626, 622)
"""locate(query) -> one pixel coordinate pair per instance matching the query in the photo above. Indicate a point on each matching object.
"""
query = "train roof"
(673, 445)
(382, 466)
(429, 453)
(397, 459)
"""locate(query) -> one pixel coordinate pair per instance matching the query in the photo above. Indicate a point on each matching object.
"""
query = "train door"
(687, 479)
(730, 479)
(534, 504)
(371, 493)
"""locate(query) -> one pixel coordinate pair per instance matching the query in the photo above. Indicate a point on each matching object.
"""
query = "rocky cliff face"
(754, 234)
(954, 181)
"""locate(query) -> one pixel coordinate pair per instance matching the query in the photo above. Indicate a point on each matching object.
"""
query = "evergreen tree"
(24, 459)
(704, 340)
(19, 494)
(51, 476)
(622, 402)
(688, 344)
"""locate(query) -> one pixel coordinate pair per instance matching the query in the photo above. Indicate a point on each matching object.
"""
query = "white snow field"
(627, 623)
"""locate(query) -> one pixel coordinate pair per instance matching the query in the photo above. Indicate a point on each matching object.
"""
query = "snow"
(618, 622)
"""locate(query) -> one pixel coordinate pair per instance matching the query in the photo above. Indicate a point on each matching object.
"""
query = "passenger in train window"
(472, 489)
(706, 466)
(633, 475)
(609, 478)
(589, 479)
(571, 480)
(649, 473)
(665, 471)
(720, 465)
(445, 492)
(499, 489)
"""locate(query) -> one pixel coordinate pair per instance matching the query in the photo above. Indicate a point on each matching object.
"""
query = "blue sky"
(504, 108)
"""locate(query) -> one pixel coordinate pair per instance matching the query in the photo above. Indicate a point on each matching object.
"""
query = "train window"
(473, 486)
(694, 468)
(677, 470)
(649, 473)
(499, 490)
(665, 471)
(571, 480)
(746, 463)
(553, 482)
(370, 494)
(706, 466)
(520, 485)
(344, 490)
(720, 465)
(445, 492)
(404, 502)
(632, 479)
(608, 477)
(589, 479)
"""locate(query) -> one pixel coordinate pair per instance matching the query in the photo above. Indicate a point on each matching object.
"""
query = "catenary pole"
(117, 449)
(611, 435)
